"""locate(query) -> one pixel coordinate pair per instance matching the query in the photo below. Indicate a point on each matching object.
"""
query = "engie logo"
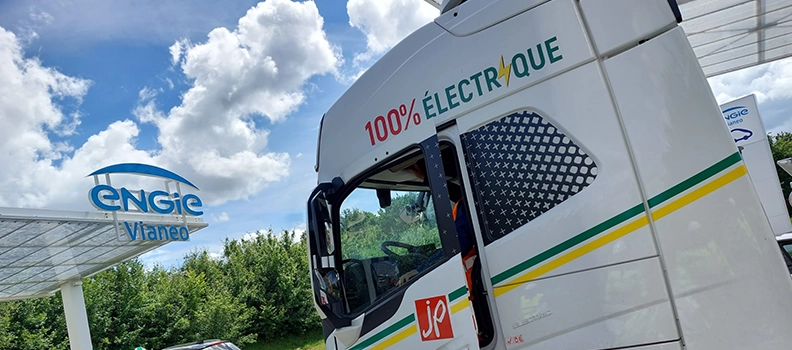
(108, 198)
(734, 115)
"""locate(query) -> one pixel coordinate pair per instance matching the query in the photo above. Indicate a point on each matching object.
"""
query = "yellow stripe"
(461, 305)
(574, 254)
(700, 192)
(396, 338)
(588, 247)
(624, 230)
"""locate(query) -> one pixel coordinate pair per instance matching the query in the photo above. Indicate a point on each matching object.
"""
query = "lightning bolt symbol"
(504, 71)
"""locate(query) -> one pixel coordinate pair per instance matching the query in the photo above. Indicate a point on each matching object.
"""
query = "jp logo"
(434, 318)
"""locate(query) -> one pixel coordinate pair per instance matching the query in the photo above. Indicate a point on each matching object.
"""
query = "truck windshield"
(383, 248)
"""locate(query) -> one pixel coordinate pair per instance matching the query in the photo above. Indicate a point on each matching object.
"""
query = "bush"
(257, 288)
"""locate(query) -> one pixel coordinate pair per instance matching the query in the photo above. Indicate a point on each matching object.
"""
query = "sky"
(226, 94)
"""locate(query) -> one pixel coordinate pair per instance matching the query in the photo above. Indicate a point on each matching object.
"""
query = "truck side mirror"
(326, 280)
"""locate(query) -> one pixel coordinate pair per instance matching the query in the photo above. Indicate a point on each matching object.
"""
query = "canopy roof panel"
(729, 35)
(42, 249)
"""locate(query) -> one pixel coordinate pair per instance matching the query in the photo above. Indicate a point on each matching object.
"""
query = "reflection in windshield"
(383, 248)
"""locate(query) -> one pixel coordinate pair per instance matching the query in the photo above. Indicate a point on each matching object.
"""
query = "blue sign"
(108, 198)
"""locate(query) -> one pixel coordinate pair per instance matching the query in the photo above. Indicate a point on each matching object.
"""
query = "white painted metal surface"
(76, 315)
(719, 251)
(439, 282)
(615, 24)
(619, 306)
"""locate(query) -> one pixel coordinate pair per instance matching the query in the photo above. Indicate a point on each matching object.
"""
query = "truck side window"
(383, 248)
(521, 166)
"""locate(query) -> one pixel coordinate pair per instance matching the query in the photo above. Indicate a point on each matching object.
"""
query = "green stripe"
(563, 246)
(558, 249)
(695, 180)
(385, 332)
(457, 293)
(618, 219)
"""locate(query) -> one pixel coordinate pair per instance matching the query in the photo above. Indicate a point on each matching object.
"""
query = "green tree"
(258, 289)
(270, 275)
(33, 324)
(114, 299)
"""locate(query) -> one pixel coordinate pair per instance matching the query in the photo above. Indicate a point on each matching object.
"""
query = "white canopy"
(42, 249)
(730, 35)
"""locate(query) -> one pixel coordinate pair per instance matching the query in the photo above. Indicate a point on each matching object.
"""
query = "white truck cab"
(541, 175)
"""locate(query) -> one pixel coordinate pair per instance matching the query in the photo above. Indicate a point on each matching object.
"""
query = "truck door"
(557, 206)
(386, 262)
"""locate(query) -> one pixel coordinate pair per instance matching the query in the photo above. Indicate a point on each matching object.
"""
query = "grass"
(308, 341)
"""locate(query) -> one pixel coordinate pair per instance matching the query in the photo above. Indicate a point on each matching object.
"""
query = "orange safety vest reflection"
(469, 258)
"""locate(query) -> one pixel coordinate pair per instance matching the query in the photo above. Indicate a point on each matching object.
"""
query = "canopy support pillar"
(76, 315)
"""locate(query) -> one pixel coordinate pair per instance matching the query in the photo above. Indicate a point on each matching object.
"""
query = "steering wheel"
(411, 249)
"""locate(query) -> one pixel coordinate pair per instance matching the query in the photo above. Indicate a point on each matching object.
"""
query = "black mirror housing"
(384, 196)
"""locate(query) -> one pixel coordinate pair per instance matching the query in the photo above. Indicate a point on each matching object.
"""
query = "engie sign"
(105, 197)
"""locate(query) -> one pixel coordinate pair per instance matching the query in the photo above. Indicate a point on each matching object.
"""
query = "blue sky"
(227, 94)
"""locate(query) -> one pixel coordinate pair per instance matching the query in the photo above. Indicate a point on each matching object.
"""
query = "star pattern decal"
(522, 166)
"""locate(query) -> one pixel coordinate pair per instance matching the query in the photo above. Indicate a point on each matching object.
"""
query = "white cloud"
(239, 78)
(251, 236)
(147, 93)
(176, 51)
(385, 23)
(41, 16)
(146, 111)
(215, 256)
(298, 229)
(772, 84)
(29, 109)
(27, 28)
(223, 217)
(258, 69)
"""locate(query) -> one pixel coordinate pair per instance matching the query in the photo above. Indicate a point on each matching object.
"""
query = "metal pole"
(76, 315)
(760, 31)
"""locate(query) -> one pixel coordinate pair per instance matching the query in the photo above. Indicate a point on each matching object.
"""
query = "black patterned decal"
(445, 223)
(521, 167)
